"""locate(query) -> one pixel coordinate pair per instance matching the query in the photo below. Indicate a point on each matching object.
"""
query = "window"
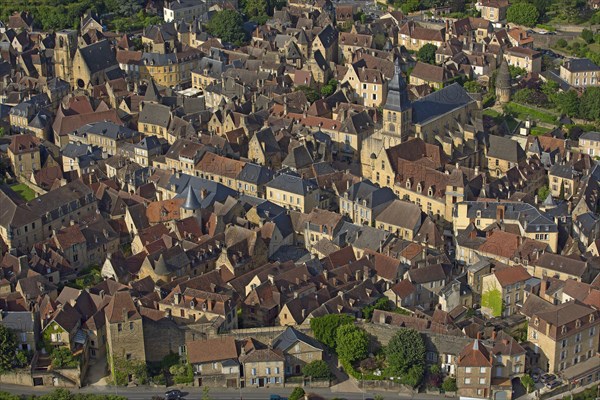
(482, 370)
(268, 370)
(468, 370)
(482, 381)
(131, 326)
(467, 381)
(119, 327)
(253, 371)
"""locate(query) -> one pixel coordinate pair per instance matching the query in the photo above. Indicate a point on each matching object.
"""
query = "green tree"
(405, 355)
(473, 87)
(316, 369)
(589, 106)
(325, 327)
(516, 71)
(297, 394)
(227, 25)
(522, 14)
(311, 94)
(409, 6)
(8, 345)
(256, 10)
(330, 88)
(426, 53)
(352, 343)
(382, 304)
(561, 43)
(449, 385)
(567, 102)
(206, 393)
(549, 88)
(587, 35)
(528, 383)
(62, 357)
(543, 192)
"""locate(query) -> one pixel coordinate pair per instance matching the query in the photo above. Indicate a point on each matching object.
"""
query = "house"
(474, 371)
(493, 10)
(503, 154)
(363, 201)
(563, 181)
(428, 280)
(24, 154)
(400, 217)
(298, 349)
(326, 43)
(293, 192)
(560, 267)
(95, 64)
(504, 290)
(369, 85)
(523, 57)
(262, 366)
(402, 294)
(25, 325)
(580, 72)
(215, 362)
(589, 143)
(563, 334)
(432, 75)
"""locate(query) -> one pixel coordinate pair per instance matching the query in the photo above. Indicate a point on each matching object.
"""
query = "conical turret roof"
(191, 200)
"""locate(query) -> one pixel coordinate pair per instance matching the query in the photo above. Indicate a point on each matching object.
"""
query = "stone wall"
(20, 377)
(266, 333)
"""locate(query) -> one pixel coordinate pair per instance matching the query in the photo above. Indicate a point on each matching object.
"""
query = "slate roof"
(580, 65)
(397, 96)
(290, 336)
(505, 148)
(98, 56)
(292, 184)
(439, 103)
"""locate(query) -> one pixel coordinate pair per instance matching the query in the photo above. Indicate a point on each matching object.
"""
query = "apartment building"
(580, 72)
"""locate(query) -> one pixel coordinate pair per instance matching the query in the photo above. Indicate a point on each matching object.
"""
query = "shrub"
(449, 385)
(317, 369)
(297, 393)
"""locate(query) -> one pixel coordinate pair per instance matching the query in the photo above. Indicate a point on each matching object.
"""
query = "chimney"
(493, 335)
(500, 213)
(271, 278)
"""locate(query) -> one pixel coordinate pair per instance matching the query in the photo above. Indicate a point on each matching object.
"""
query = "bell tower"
(64, 52)
(397, 111)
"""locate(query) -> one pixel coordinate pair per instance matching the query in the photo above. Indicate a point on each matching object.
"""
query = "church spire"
(397, 97)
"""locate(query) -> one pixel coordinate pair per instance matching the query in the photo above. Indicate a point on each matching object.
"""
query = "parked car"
(277, 397)
(535, 376)
(174, 394)
(547, 378)
(552, 384)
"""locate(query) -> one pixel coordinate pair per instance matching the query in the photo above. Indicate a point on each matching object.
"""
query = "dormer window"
(419, 188)
(478, 213)
(536, 321)
(578, 324)
(408, 183)
(430, 192)
(563, 330)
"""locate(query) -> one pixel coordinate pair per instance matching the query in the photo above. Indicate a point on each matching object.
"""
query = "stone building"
(503, 86)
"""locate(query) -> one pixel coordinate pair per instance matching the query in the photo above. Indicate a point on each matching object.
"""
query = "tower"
(64, 52)
(503, 85)
(397, 111)
(191, 206)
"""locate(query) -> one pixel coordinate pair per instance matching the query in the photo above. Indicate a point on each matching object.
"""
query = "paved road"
(195, 393)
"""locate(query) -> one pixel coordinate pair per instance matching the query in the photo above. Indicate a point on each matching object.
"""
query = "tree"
(516, 71)
(325, 327)
(473, 87)
(522, 14)
(227, 25)
(8, 345)
(549, 88)
(589, 106)
(561, 43)
(330, 88)
(311, 94)
(316, 369)
(256, 10)
(409, 6)
(449, 385)
(588, 36)
(352, 343)
(297, 394)
(528, 383)
(206, 393)
(427, 53)
(543, 192)
(567, 102)
(382, 304)
(405, 355)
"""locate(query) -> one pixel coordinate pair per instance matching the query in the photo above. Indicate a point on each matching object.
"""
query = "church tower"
(503, 85)
(397, 111)
(64, 52)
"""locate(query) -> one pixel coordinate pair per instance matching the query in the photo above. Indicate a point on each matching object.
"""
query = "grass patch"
(24, 191)
(523, 112)
(539, 130)
(490, 112)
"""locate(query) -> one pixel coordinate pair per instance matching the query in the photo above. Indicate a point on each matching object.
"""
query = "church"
(442, 117)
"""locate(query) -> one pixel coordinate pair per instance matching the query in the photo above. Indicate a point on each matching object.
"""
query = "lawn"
(539, 130)
(523, 112)
(24, 191)
(490, 112)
